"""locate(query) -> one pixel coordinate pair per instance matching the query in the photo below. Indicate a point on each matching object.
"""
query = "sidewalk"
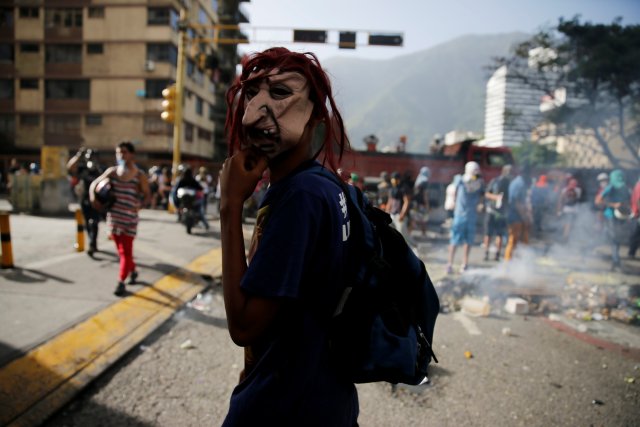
(62, 325)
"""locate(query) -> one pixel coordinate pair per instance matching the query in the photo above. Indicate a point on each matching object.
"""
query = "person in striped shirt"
(130, 187)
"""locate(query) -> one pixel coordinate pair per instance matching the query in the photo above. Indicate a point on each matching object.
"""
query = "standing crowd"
(514, 207)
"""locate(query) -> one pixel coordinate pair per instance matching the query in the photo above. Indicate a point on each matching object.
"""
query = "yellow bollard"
(80, 231)
(5, 236)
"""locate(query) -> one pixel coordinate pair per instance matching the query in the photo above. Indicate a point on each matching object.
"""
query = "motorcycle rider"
(187, 180)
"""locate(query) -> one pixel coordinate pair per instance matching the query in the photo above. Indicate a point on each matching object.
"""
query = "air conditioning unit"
(149, 65)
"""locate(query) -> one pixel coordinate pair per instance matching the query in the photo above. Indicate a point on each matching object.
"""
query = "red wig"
(325, 110)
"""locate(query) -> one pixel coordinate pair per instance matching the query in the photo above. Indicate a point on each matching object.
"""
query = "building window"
(63, 124)
(6, 17)
(29, 48)
(93, 119)
(6, 89)
(190, 67)
(29, 84)
(95, 48)
(188, 132)
(205, 135)
(153, 87)
(63, 54)
(162, 52)
(96, 12)
(66, 89)
(29, 12)
(154, 125)
(6, 53)
(199, 105)
(63, 18)
(159, 16)
(211, 112)
(7, 124)
(29, 120)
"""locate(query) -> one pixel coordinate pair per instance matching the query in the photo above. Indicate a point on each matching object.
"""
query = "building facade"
(512, 108)
(91, 73)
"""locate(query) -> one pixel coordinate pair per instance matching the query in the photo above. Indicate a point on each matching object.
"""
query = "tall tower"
(512, 108)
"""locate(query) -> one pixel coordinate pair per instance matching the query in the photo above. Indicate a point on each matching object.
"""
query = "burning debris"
(481, 292)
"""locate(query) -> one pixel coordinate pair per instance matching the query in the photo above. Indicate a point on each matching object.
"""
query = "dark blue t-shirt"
(298, 255)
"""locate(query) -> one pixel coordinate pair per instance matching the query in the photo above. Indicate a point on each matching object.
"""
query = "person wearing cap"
(469, 194)
(615, 199)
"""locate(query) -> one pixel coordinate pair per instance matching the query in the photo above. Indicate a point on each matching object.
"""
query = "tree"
(597, 67)
(537, 155)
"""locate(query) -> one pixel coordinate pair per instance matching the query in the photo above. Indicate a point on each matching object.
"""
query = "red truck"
(443, 165)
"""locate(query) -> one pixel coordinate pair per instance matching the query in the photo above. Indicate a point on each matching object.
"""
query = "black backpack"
(383, 324)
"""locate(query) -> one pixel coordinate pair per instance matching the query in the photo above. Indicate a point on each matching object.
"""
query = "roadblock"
(5, 236)
(79, 245)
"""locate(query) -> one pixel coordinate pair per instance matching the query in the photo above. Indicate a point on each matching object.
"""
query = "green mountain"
(418, 95)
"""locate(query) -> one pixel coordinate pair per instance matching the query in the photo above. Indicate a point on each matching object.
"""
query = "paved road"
(536, 372)
(536, 376)
(541, 373)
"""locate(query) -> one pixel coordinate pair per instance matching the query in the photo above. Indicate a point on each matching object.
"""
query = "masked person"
(615, 199)
(469, 194)
(131, 191)
(279, 298)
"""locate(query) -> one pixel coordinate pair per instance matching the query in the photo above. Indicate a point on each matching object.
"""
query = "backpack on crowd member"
(382, 327)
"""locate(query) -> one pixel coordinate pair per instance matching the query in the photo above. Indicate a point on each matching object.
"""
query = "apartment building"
(512, 108)
(91, 72)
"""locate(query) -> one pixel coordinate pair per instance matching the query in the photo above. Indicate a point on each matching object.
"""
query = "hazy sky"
(424, 23)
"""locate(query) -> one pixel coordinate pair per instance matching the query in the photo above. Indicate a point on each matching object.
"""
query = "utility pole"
(177, 125)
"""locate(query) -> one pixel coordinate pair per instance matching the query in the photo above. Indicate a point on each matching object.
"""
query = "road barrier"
(79, 245)
(5, 236)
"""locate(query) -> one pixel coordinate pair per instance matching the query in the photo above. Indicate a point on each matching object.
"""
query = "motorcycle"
(189, 201)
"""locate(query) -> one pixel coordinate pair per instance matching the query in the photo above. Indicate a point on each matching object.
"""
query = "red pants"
(124, 243)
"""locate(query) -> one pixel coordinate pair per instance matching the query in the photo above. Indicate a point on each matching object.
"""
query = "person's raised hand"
(239, 176)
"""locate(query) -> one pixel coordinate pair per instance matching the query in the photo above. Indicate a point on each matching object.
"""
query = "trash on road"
(506, 331)
(187, 345)
(597, 402)
(202, 302)
(516, 306)
(475, 306)
(629, 380)
(468, 354)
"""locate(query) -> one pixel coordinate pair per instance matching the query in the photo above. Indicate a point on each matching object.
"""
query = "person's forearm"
(234, 264)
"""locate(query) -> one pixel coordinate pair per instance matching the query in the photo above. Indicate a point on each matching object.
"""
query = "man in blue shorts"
(469, 194)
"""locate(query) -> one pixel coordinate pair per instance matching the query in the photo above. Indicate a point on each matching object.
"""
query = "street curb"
(39, 383)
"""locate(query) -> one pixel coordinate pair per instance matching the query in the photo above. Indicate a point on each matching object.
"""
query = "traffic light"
(169, 104)
(347, 40)
(385, 39)
(310, 36)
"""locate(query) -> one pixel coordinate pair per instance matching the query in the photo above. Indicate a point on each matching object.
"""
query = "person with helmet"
(187, 180)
